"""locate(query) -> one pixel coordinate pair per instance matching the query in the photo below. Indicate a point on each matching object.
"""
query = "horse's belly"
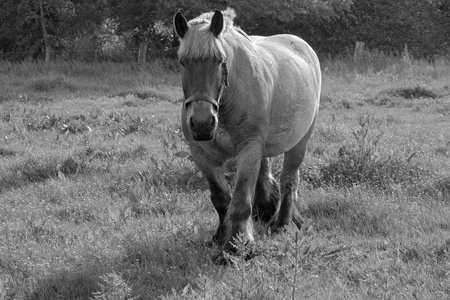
(279, 146)
(283, 138)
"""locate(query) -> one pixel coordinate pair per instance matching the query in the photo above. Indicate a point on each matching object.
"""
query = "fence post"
(142, 55)
(359, 51)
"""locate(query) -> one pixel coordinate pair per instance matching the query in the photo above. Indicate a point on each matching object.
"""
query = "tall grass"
(99, 198)
(375, 61)
(29, 81)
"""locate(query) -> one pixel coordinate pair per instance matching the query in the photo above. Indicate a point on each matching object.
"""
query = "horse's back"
(296, 92)
(291, 47)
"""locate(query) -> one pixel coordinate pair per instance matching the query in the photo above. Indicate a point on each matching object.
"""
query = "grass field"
(99, 200)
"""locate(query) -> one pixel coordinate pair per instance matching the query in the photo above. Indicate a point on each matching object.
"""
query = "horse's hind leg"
(289, 181)
(267, 193)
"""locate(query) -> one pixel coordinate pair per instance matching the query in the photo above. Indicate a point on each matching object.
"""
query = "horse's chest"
(221, 146)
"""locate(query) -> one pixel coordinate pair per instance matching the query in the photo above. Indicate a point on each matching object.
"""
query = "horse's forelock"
(199, 42)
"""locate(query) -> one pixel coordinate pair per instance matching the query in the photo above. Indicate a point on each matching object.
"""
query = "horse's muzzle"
(202, 116)
(202, 130)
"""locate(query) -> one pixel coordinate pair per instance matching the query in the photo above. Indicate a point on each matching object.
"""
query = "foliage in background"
(21, 25)
(113, 30)
(424, 26)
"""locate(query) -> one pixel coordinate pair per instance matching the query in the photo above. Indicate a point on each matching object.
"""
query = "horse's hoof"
(276, 228)
(229, 257)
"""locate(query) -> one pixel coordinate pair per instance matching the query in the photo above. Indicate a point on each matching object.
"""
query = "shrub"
(7, 152)
(361, 163)
(113, 287)
(394, 97)
(52, 84)
(438, 189)
(412, 92)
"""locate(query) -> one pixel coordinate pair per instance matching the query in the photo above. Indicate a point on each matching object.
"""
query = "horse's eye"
(182, 63)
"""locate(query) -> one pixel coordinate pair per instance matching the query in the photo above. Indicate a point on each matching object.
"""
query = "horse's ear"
(180, 25)
(216, 23)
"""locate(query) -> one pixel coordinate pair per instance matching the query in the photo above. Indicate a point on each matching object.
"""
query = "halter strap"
(210, 99)
(206, 98)
(225, 73)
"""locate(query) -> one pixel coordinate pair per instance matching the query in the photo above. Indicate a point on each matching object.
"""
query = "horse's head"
(204, 73)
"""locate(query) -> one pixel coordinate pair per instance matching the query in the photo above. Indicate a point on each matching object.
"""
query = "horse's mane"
(228, 17)
(200, 43)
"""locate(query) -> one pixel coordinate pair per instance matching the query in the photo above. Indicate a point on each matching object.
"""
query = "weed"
(361, 163)
(326, 98)
(394, 97)
(346, 104)
(129, 103)
(7, 152)
(38, 169)
(416, 92)
(74, 124)
(119, 123)
(176, 167)
(326, 101)
(143, 95)
(28, 171)
(443, 251)
(345, 215)
(383, 100)
(443, 150)
(52, 84)
(240, 261)
(443, 109)
(174, 144)
(330, 133)
(438, 189)
(113, 287)
(33, 122)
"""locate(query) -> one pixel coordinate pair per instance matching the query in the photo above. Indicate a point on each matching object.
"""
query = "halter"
(210, 99)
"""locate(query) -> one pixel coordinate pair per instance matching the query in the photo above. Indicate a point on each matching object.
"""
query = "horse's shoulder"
(284, 39)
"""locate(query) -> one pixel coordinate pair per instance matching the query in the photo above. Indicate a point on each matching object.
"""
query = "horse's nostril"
(213, 122)
(191, 123)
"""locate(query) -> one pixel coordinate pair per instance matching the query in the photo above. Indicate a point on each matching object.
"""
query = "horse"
(246, 98)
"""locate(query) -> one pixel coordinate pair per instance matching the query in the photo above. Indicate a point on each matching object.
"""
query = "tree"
(390, 25)
(267, 17)
(150, 22)
(19, 29)
(53, 15)
(32, 27)
(65, 28)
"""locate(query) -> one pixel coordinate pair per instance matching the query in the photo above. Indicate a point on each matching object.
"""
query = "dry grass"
(99, 200)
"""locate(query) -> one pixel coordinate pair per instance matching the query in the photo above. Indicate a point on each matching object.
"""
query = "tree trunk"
(142, 55)
(45, 33)
(96, 46)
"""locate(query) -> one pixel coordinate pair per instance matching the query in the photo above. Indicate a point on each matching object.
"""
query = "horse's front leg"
(239, 221)
(214, 172)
